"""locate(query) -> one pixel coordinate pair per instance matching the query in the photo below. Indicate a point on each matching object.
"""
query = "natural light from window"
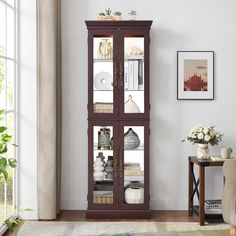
(8, 95)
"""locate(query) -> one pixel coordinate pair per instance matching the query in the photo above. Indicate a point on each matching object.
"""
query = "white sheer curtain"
(49, 107)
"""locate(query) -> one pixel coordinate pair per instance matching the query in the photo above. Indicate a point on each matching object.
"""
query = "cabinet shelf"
(102, 60)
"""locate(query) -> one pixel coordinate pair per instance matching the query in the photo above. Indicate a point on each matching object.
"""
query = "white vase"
(202, 151)
(134, 195)
(131, 106)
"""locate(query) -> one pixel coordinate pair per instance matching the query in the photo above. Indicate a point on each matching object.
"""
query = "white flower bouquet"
(204, 135)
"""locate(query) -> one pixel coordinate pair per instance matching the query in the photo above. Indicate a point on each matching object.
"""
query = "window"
(8, 65)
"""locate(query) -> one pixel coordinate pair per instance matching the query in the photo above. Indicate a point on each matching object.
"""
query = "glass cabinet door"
(133, 164)
(103, 78)
(134, 79)
(103, 165)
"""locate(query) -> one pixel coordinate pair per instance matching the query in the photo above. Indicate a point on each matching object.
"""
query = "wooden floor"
(161, 216)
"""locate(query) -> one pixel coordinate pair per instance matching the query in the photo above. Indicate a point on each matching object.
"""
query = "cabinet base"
(118, 214)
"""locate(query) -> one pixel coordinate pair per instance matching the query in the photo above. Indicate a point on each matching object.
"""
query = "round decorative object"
(202, 151)
(98, 174)
(109, 169)
(131, 106)
(109, 162)
(134, 195)
(103, 81)
(131, 140)
(98, 168)
(110, 175)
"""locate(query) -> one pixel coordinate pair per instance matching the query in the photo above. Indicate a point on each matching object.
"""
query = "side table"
(197, 186)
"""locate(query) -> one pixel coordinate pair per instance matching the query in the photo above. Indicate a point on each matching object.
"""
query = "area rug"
(40, 228)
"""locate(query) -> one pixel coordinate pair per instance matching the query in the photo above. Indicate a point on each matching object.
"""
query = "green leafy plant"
(132, 13)
(101, 14)
(5, 161)
(117, 13)
(12, 221)
(108, 11)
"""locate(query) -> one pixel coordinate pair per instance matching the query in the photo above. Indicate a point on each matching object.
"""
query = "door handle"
(121, 75)
(114, 83)
(121, 165)
(115, 166)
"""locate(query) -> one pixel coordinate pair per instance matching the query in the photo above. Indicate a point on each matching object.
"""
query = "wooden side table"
(197, 186)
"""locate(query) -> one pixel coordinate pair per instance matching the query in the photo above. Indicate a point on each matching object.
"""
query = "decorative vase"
(98, 170)
(131, 140)
(104, 139)
(134, 195)
(202, 151)
(131, 106)
(105, 49)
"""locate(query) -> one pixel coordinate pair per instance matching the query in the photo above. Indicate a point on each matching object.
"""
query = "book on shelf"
(213, 211)
(213, 206)
(139, 178)
(213, 203)
(130, 75)
(134, 75)
(140, 75)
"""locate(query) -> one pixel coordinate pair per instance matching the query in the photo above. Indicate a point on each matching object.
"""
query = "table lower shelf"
(208, 217)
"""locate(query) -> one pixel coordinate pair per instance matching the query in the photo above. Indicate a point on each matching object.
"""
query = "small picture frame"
(195, 75)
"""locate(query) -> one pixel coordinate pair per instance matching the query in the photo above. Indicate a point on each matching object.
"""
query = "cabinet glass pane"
(134, 75)
(103, 165)
(103, 74)
(134, 164)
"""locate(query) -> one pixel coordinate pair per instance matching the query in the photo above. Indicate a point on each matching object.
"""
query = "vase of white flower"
(204, 136)
(202, 151)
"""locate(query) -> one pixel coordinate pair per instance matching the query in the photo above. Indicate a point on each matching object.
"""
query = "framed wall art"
(195, 75)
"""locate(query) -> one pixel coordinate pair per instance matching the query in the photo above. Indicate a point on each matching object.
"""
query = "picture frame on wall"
(195, 75)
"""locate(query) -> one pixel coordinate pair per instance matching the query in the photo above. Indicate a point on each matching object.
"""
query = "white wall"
(177, 25)
(27, 161)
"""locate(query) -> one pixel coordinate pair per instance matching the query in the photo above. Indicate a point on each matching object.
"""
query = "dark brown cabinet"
(118, 119)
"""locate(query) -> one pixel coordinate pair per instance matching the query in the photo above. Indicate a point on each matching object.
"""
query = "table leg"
(202, 195)
(190, 188)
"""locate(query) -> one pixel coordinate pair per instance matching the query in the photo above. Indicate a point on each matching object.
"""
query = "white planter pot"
(202, 151)
(134, 195)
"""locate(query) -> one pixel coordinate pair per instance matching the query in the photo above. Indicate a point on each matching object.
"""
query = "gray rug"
(40, 228)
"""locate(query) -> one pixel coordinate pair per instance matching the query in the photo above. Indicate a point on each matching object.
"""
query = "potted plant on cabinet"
(132, 15)
(117, 15)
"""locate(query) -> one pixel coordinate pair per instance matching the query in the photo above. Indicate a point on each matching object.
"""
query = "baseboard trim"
(177, 204)
(73, 204)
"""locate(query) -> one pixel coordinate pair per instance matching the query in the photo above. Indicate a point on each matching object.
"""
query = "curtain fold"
(49, 107)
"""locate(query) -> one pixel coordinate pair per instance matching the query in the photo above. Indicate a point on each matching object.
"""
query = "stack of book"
(213, 207)
(133, 172)
(132, 169)
(134, 74)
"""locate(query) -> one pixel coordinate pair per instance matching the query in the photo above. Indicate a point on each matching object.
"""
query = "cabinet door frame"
(135, 33)
(122, 204)
(91, 205)
(91, 35)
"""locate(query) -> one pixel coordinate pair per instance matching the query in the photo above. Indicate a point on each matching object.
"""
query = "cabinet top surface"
(119, 23)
